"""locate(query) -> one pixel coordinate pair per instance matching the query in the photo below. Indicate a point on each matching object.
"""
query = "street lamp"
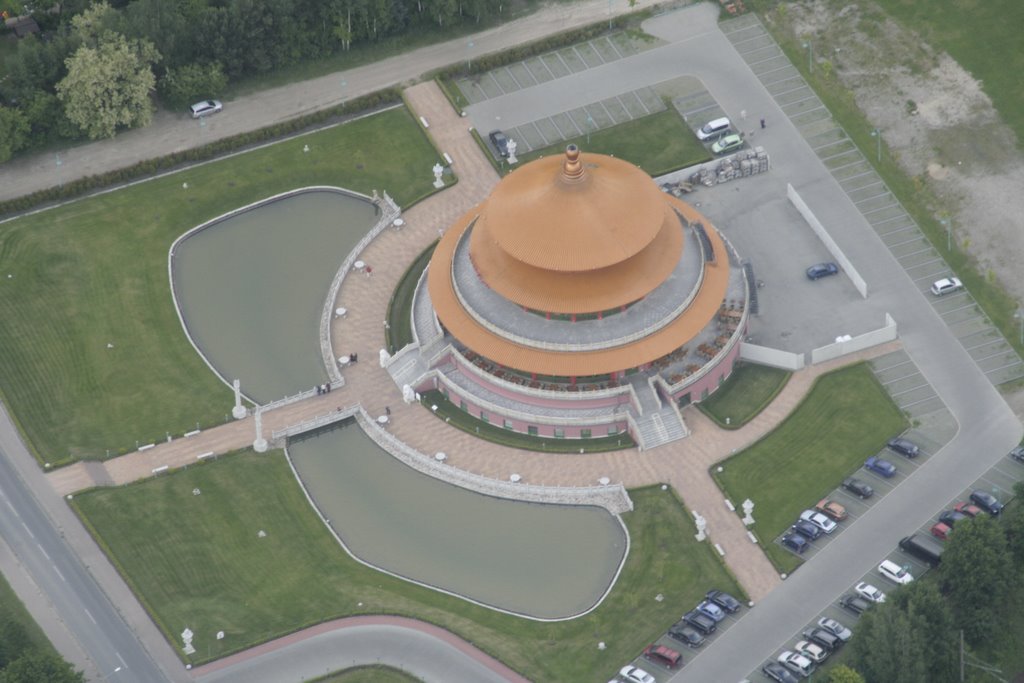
(810, 56)
(469, 55)
(877, 134)
(1019, 315)
(590, 125)
(949, 232)
(60, 176)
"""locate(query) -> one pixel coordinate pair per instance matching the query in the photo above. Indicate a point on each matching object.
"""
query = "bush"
(191, 83)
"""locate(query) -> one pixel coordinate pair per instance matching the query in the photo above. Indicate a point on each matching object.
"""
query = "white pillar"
(260, 444)
(239, 411)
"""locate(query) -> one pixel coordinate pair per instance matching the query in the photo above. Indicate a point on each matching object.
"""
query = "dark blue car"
(879, 466)
(795, 542)
(819, 270)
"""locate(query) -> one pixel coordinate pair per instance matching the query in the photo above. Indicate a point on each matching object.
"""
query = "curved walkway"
(434, 654)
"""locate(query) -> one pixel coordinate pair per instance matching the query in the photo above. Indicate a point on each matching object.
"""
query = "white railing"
(314, 423)
(612, 497)
(301, 396)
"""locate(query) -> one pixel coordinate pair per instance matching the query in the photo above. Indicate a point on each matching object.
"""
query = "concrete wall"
(833, 248)
(858, 343)
(773, 357)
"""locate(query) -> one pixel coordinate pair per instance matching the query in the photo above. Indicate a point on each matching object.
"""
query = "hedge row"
(81, 186)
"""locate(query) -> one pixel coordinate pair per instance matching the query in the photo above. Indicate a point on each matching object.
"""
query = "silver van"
(712, 130)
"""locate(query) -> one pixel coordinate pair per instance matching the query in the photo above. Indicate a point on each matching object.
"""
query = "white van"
(713, 129)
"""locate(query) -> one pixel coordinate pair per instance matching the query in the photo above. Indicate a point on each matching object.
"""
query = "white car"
(634, 674)
(819, 520)
(946, 285)
(814, 652)
(836, 628)
(205, 108)
(797, 663)
(869, 592)
(894, 572)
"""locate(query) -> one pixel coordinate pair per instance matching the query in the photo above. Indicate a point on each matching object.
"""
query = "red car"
(941, 531)
(969, 509)
(666, 656)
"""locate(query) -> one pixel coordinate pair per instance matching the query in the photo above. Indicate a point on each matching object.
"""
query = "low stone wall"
(862, 341)
(773, 357)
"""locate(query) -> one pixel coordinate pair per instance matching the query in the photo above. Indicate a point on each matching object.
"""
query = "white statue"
(186, 637)
(408, 395)
(702, 525)
(512, 151)
(384, 358)
(438, 171)
(748, 508)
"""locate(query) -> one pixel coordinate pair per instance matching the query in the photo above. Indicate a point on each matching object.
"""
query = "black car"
(903, 447)
(858, 487)
(987, 502)
(854, 603)
(951, 517)
(500, 142)
(823, 637)
(820, 270)
(777, 672)
(701, 622)
(806, 529)
(724, 600)
(1018, 454)
(795, 542)
(686, 634)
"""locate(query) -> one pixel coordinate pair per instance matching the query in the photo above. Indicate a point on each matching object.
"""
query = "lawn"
(460, 419)
(659, 143)
(369, 674)
(748, 391)
(92, 354)
(845, 417)
(211, 571)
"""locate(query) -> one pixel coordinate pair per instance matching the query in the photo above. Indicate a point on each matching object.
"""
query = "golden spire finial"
(572, 168)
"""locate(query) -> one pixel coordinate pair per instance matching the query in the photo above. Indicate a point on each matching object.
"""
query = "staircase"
(659, 424)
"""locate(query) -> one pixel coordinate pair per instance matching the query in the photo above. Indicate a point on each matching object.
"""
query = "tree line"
(94, 68)
(22, 662)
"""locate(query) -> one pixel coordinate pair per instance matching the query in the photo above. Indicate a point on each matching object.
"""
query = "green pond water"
(547, 561)
(251, 288)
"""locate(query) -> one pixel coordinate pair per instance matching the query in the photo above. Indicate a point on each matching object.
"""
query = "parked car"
(946, 285)
(807, 530)
(701, 622)
(858, 488)
(987, 502)
(1018, 454)
(500, 142)
(724, 600)
(712, 610)
(951, 517)
(903, 447)
(880, 466)
(941, 531)
(778, 673)
(205, 108)
(836, 628)
(869, 592)
(895, 572)
(797, 663)
(831, 509)
(795, 542)
(819, 520)
(968, 509)
(823, 637)
(814, 652)
(686, 634)
(854, 603)
(634, 674)
(714, 129)
(665, 656)
(729, 143)
(923, 548)
(820, 270)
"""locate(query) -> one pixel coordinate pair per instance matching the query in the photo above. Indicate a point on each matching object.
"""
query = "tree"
(844, 674)
(108, 86)
(13, 640)
(14, 130)
(975, 576)
(1013, 525)
(192, 82)
(36, 666)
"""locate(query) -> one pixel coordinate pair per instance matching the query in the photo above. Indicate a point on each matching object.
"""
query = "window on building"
(704, 394)
(613, 430)
(584, 433)
(559, 433)
(531, 430)
(483, 416)
(508, 425)
(462, 404)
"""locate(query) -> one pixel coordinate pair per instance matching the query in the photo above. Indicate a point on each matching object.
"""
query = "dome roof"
(575, 234)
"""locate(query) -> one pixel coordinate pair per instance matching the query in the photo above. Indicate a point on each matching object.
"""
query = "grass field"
(369, 674)
(749, 389)
(446, 410)
(212, 572)
(659, 143)
(845, 417)
(94, 272)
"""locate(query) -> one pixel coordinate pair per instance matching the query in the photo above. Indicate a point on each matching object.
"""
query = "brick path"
(683, 464)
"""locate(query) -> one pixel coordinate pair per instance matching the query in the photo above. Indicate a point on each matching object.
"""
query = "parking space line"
(923, 263)
(874, 196)
(993, 355)
(635, 95)
(513, 77)
(833, 142)
(984, 343)
(597, 52)
(547, 68)
(893, 218)
(1003, 367)
(704, 108)
(540, 133)
(837, 155)
(915, 238)
(771, 71)
(958, 308)
(760, 61)
(745, 40)
(919, 251)
(786, 92)
(852, 163)
(906, 391)
(585, 64)
(571, 72)
(809, 111)
(881, 208)
(801, 83)
(495, 80)
(901, 378)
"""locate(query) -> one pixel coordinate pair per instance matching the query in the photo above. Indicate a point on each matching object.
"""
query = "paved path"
(173, 132)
